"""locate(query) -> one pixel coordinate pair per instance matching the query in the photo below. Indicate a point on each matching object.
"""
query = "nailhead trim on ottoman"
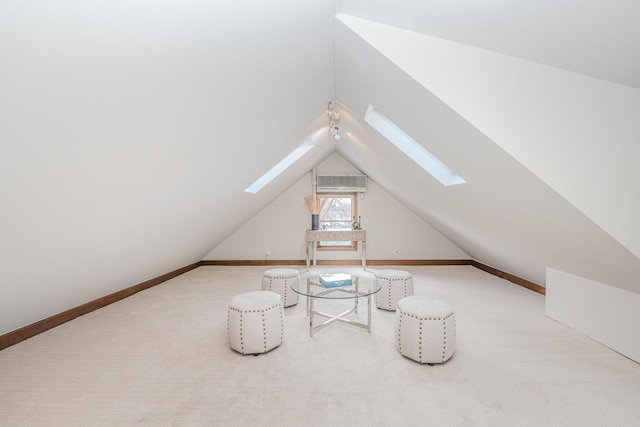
(279, 280)
(395, 285)
(425, 329)
(255, 322)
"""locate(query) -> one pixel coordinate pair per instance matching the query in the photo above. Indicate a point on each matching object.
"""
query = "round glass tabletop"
(336, 286)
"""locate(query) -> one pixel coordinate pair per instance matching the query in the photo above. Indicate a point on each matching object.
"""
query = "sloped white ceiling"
(543, 116)
(131, 129)
(597, 38)
(505, 215)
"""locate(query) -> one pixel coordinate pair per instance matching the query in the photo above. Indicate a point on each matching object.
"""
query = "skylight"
(411, 148)
(280, 167)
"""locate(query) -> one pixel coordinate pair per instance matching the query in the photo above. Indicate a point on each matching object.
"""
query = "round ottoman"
(395, 285)
(426, 329)
(279, 280)
(255, 322)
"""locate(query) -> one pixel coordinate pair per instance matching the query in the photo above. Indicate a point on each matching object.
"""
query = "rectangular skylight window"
(411, 148)
(280, 167)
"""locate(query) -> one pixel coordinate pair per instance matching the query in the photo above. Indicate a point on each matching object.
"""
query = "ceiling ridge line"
(336, 6)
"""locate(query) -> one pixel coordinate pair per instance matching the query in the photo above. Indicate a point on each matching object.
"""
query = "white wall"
(601, 36)
(505, 216)
(125, 132)
(607, 314)
(390, 225)
(544, 117)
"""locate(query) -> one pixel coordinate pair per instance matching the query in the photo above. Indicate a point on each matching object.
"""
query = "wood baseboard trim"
(419, 262)
(510, 277)
(371, 262)
(235, 262)
(28, 331)
(340, 262)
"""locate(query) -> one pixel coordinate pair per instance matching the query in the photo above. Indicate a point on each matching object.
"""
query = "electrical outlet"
(267, 252)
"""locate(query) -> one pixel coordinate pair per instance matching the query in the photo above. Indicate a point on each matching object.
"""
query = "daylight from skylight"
(280, 167)
(411, 148)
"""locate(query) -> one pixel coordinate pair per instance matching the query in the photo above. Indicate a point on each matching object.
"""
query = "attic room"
(132, 130)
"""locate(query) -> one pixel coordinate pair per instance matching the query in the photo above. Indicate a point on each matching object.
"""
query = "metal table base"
(338, 317)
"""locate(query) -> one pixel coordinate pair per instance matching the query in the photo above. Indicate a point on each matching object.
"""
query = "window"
(280, 167)
(411, 148)
(339, 212)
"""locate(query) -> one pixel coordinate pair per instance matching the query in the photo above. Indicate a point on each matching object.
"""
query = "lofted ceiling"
(555, 149)
(131, 129)
(595, 38)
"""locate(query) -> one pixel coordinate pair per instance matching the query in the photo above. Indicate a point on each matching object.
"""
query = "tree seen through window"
(338, 213)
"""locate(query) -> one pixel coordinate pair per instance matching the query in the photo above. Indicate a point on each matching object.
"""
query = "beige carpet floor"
(161, 358)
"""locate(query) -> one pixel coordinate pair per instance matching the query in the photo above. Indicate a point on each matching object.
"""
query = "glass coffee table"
(351, 287)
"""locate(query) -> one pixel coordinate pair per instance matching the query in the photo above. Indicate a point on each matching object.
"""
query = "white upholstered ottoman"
(255, 322)
(279, 280)
(426, 329)
(395, 285)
